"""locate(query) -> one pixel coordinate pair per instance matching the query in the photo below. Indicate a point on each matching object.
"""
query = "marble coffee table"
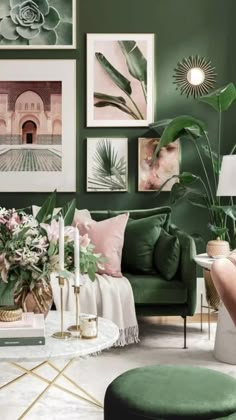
(69, 350)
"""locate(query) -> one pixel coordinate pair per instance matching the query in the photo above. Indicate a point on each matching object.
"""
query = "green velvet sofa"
(154, 294)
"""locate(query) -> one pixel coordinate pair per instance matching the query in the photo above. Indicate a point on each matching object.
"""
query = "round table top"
(108, 334)
(205, 261)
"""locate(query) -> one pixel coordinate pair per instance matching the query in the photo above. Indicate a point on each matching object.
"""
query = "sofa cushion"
(167, 255)
(107, 236)
(140, 214)
(154, 289)
(139, 242)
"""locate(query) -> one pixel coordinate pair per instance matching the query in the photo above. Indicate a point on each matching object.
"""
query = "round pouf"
(171, 392)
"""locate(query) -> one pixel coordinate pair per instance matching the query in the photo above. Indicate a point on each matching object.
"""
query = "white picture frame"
(55, 32)
(57, 143)
(99, 177)
(133, 110)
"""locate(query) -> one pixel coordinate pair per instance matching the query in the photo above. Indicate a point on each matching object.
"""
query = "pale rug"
(160, 344)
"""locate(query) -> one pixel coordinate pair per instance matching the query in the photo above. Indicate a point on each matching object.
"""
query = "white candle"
(77, 277)
(76, 257)
(76, 249)
(61, 244)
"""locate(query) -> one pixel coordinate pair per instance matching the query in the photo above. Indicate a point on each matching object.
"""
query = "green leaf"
(52, 19)
(121, 81)
(222, 98)
(68, 212)
(103, 104)
(14, 3)
(229, 211)
(188, 178)
(8, 29)
(64, 33)
(27, 33)
(51, 249)
(4, 9)
(179, 191)
(206, 151)
(110, 98)
(64, 8)
(18, 41)
(218, 231)
(136, 62)
(46, 211)
(43, 6)
(44, 38)
(177, 127)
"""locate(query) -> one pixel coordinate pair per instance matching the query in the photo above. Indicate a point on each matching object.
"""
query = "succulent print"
(36, 22)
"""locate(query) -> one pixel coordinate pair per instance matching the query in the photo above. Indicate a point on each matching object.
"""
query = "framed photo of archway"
(37, 125)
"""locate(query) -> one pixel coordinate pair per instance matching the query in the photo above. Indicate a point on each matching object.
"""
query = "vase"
(39, 299)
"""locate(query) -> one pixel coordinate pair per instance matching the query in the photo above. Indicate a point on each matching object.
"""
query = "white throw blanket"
(108, 297)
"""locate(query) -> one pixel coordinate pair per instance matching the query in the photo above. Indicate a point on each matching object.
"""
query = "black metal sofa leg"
(185, 331)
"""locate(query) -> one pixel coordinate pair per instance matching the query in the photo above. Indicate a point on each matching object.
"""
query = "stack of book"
(29, 331)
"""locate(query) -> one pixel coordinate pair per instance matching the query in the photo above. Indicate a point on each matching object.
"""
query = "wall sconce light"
(194, 76)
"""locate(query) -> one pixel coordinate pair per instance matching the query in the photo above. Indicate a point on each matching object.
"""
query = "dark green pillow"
(139, 243)
(167, 255)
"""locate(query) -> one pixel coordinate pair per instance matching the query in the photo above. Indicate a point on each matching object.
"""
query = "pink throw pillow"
(108, 238)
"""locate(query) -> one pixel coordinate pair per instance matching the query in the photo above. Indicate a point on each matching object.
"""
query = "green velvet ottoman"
(171, 392)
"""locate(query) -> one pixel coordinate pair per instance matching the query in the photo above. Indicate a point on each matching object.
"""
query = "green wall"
(182, 28)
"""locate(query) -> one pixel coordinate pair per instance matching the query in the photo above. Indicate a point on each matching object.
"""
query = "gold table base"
(60, 372)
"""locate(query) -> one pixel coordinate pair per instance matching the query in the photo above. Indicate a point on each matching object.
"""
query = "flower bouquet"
(29, 252)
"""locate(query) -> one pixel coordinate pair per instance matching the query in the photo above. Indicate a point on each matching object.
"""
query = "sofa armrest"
(187, 265)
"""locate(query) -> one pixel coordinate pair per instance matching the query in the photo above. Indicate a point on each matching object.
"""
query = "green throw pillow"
(167, 255)
(139, 243)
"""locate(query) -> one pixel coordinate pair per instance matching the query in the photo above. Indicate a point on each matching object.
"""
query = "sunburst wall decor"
(194, 76)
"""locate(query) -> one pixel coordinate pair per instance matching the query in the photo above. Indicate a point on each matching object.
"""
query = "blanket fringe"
(127, 336)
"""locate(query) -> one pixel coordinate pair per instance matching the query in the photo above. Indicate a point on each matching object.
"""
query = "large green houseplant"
(200, 189)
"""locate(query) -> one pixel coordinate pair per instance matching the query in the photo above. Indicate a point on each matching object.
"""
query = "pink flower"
(13, 221)
(84, 241)
(52, 230)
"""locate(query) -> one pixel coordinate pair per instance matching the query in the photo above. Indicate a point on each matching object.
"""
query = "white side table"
(204, 261)
(225, 339)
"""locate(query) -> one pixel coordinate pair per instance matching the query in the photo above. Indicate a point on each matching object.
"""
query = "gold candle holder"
(61, 334)
(76, 328)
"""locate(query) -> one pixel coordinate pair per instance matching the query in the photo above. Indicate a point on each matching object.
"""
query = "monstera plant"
(200, 190)
(35, 22)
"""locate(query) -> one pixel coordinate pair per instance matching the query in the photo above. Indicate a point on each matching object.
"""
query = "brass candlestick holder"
(76, 328)
(61, 334)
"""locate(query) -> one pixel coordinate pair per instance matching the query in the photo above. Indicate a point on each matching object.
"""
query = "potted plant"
(200, 190)
(29, 252)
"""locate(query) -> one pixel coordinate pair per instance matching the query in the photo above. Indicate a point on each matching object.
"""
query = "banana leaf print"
(137, 67)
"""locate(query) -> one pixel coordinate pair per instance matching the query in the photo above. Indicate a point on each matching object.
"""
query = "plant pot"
(39, 299)
(217, 247)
